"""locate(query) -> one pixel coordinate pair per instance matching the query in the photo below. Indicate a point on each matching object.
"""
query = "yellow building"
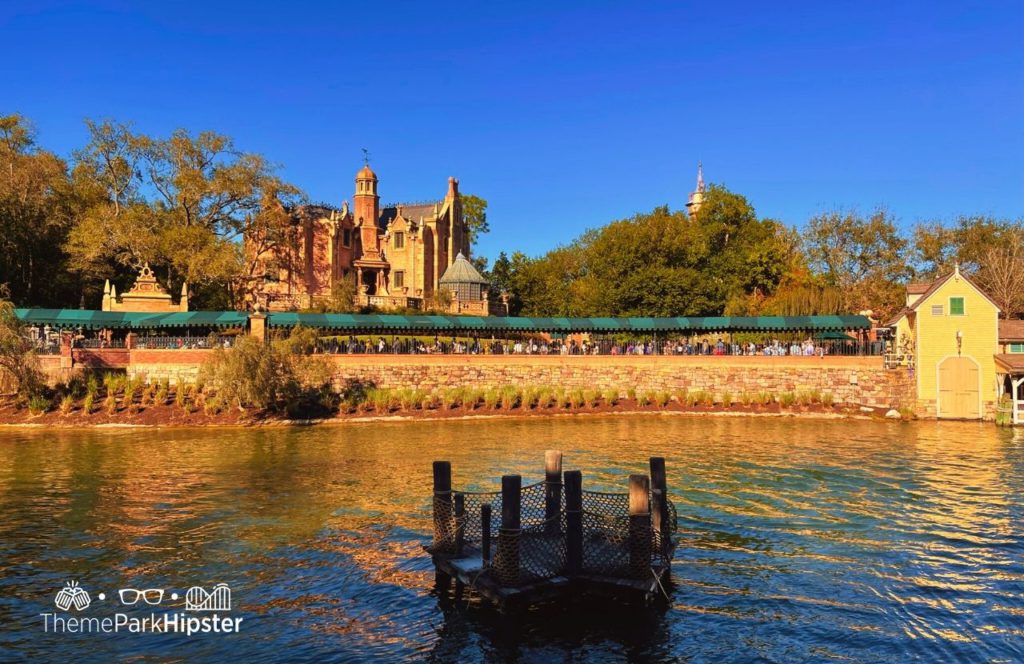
(948, 333)
(1010, 366)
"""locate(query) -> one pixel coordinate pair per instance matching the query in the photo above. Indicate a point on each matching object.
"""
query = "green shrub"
(765, 398)
(268, 377)
(682, 395)
(803, 398)
(662, 398)
(631, 394)
(815, 396)
(727, 399)
(611, 396)
(38, 404)
(213, 406)
(407, 399)
(827, 399)
(92, 386)
(592, 398)
(451, 398)
(429, 400)
(491, 398)
(787, 399)
(531, 396)
(746, 398)
(110, 404)
(647, 398)
(576, 399)
(546, 398)
(510, 398)
(67, 404)
(381, 398)
(87, 404)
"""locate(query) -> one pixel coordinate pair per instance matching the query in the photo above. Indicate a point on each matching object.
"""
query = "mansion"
(398, 256)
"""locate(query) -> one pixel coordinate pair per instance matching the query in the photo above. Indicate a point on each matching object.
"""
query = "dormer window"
(399, 240)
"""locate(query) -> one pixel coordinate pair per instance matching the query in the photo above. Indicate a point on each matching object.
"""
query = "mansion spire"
(697, 197)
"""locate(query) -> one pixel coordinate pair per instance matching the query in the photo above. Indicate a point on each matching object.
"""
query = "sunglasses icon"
(151, 596)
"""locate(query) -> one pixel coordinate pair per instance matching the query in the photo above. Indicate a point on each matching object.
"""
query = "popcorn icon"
(72, 595)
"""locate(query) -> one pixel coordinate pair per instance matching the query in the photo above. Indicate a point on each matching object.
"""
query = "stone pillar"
(129, 341)
(258, 325)
(66, 360)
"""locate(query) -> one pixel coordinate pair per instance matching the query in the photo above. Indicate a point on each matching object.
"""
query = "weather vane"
(366, 156)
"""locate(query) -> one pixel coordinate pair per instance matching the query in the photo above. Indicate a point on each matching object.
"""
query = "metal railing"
(182, 343)
(413, 346)
(98, 343)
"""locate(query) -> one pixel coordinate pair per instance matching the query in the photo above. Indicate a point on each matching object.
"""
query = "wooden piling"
(460, 515)
(639, 525)
(444, 540)
(506, 557)
(552, 492)
(574, 521)
(485, 534)
(659, 506)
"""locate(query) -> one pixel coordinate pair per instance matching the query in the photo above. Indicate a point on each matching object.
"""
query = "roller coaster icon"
(218, 599)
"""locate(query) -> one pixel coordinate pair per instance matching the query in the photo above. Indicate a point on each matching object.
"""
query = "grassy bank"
(114, 399)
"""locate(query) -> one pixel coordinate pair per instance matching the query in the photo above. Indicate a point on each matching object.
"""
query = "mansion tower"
(396, 255)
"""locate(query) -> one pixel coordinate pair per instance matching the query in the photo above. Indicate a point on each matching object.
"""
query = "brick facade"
(395, 254)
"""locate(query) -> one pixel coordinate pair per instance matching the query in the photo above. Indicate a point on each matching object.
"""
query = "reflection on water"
(800, 540)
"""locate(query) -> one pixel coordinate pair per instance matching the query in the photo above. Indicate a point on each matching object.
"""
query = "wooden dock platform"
(554, 539)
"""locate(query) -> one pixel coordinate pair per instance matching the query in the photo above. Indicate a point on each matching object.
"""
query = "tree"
(183, 203)
(19, 366)
(474, 214)
(864, 258)
(36, 211)
(966, 242)
(1001, 273)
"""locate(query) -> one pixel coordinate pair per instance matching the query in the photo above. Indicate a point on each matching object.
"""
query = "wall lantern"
(959, 341)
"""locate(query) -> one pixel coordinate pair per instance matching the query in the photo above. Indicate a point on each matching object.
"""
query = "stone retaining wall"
(851, 380)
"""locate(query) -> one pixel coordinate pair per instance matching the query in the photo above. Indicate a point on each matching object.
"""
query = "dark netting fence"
(613, 543)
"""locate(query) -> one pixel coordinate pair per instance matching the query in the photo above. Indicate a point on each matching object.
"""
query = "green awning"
(356, 323)
(834, 336)
(454, 325)
(135, 320)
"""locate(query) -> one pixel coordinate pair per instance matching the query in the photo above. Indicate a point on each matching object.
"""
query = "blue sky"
(564, 116)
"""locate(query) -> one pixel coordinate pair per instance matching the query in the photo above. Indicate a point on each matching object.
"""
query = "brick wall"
(174, 365)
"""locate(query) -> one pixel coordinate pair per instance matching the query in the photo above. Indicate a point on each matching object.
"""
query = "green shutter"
(956, 306)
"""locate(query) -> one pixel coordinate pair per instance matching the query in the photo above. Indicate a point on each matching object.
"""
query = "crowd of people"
(47, 341)
(540, 346)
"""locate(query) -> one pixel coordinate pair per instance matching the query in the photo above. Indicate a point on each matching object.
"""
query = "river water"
(801, 540)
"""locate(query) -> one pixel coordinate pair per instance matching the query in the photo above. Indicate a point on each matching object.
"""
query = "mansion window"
(399, 279)
(399, 240)
(346, 237)
(1017, 348)
(956, 306)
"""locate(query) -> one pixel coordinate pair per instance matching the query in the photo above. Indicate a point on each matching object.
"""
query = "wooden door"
(959, 389)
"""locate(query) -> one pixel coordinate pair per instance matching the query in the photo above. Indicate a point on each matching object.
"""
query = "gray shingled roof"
(462, 272)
